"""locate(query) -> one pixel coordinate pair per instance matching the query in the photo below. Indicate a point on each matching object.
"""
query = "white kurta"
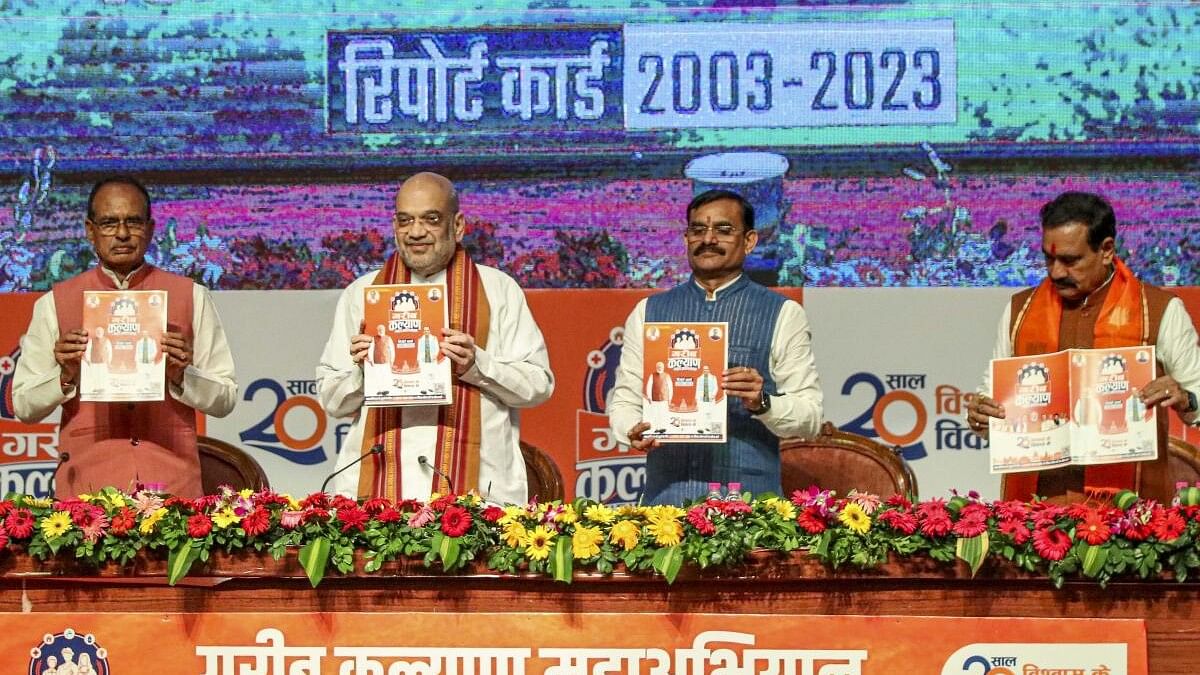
(512, 373)
(795, 410)
(208, 382)
(1177, 349)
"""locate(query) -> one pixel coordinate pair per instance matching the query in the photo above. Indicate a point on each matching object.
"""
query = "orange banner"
(561, 644)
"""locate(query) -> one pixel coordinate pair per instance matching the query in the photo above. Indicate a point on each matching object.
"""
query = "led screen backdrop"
(885, 143)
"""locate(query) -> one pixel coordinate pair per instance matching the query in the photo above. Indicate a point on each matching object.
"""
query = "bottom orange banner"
(564, 644)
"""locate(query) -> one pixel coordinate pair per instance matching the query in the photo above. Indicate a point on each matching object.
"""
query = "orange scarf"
(1123, 321)
(456, 451)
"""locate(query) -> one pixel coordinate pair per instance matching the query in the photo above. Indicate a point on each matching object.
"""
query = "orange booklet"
(682, 374)
(405, 365)
(1077, 406)
(124, 360)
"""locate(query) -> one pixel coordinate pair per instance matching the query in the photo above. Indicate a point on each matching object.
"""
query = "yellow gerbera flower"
(666, 532)
(630, 511)
(599, 513)
(567, 516)
(782, 507)
(664, 512)
(537, 546)
(514, 534)
(511, 515)
(293, 505)
(55, 525)
(38, 502)
(626, 533)
(225, 517)
(853, 517)
(585, 543)
(151, 521)
(246, 493)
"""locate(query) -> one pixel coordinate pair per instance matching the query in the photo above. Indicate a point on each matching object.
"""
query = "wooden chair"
(1183, 461)
(545, 480)
(224, 464)
(841, 461)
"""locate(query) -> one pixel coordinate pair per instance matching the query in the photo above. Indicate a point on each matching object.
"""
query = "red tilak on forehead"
(1053, 249)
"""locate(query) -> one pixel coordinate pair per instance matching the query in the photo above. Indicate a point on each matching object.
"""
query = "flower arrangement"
(1128, 537)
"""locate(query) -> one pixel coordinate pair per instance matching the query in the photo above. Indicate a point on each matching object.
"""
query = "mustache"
(1065, 283)
(706, 248)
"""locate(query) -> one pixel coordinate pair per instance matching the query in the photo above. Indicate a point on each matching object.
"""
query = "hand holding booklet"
(682, 369)
(123, 361)
(405, 364)
(1077, 406)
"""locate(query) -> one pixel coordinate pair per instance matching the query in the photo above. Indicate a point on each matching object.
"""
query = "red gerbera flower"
(352, 518)
(455, 521)
(388, 515)
(811, 521)
(1011, 510)
(314, 513)
(122, 521)
(493, 513)
(6, 507)
(1051, 544)
(376, 505)
(1169, 527)
(698, 517)
(319, 500)
(974, 511)
(340, 502)
(1093, 529)
(900, 521)
(937, 525)
(971, 527)
(256, 522)
(899, 501)
(19, 524)
(1016, 529)
(442, 503)
(199, 525)
(733, 507)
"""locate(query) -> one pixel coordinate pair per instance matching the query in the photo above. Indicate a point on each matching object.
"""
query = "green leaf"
(561, 559)
(314, 557)
(447, 549)
(973, 550)
(180, 560)
(1094, 559)
(667, 562)
(821, 550)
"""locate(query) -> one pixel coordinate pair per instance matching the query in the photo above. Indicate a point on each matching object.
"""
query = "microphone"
(373, 450)
(424, 461)
(63, 458)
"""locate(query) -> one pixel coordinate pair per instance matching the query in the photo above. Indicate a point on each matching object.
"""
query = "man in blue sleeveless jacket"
(771, 383)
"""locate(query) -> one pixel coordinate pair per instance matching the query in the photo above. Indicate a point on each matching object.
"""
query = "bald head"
(427, 222)
(433, 184)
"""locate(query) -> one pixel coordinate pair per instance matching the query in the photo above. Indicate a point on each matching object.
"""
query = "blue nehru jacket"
(676, 472)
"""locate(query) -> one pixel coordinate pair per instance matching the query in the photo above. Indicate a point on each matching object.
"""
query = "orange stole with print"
(1123, 321)
(459, 424)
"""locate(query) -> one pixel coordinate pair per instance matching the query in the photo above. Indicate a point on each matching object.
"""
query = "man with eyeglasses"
(498, 355)
(120, 444)
(771, 371)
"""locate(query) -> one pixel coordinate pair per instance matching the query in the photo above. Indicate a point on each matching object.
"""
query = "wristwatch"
(1193, 405)
(764, 404)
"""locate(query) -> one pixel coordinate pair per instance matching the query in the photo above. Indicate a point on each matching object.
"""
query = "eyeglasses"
(431, 220)
(696, 231)
(108, 226)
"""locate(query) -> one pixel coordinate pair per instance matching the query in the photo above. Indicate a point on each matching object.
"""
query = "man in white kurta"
(513, 372)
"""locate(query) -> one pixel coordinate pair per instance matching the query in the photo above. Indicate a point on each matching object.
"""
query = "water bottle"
(714, 491)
